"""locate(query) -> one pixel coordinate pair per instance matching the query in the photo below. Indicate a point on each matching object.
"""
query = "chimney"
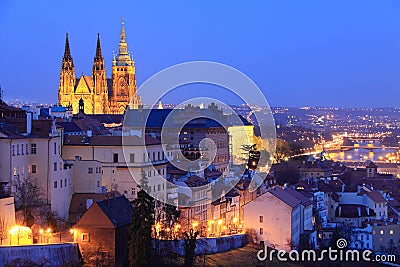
(89, 203)
(28, 123)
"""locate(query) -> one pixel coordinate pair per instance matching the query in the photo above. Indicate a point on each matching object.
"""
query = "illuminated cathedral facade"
(100, 95)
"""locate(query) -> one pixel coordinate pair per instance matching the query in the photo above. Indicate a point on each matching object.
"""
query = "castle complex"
(99, 94)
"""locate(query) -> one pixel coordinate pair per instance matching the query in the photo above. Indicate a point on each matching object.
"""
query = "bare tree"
(28, 194)
(3, 230)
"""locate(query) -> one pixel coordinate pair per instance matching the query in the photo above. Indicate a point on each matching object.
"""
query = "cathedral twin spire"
(101, 94)
(98, 49)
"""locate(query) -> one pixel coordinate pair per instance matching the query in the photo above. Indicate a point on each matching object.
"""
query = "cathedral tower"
(100, 92)
(67, 77)
(123, 77)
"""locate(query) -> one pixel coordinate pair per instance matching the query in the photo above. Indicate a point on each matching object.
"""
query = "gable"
(84, 85)
(94, 217)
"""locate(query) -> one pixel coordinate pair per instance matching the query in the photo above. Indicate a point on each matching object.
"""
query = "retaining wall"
(56, 255)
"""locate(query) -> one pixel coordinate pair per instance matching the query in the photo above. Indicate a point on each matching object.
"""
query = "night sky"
(300, 53)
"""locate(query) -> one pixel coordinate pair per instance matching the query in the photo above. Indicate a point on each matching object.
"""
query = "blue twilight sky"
(317, 53)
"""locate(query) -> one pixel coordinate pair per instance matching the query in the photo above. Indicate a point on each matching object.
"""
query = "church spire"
(122, 35)
(98, 48)
(67, 51)
(123, 58)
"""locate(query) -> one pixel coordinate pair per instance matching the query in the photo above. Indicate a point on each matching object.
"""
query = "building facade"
(101, 95)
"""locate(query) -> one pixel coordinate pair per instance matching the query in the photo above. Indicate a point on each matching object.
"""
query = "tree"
(3, 230)
(171, 217)
(190, 246)
(253, 155)
(28, 194)
(140, 243)
(282, 149)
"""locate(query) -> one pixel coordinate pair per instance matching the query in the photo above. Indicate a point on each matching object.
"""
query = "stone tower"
(67, 77)
(100, 92)
(123, 77)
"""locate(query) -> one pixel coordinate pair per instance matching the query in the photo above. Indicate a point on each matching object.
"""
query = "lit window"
(391, 232)
(381, 232)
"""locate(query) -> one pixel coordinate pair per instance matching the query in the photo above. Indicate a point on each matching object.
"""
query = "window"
(144, 157)
(90, 170)
(154, 156)
(85, 237)
(115, 157)
(55, 166)
(26, 149)
(55, 184)
(22, 149)
(261, 231)
(381, 232)
(98, 183)
(261, 219)
(55, 147)
(132, 158)
(15, 171)
(13, 150)
(33, 168)
(65, 182)
(33, 148)
(17, 150)
(60, 183)
(391, 232)
(159, 187)
(158, 155)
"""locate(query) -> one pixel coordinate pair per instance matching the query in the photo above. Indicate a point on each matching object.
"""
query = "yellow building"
(99, 94)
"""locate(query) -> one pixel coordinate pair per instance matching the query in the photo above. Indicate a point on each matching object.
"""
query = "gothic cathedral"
(99, 94)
